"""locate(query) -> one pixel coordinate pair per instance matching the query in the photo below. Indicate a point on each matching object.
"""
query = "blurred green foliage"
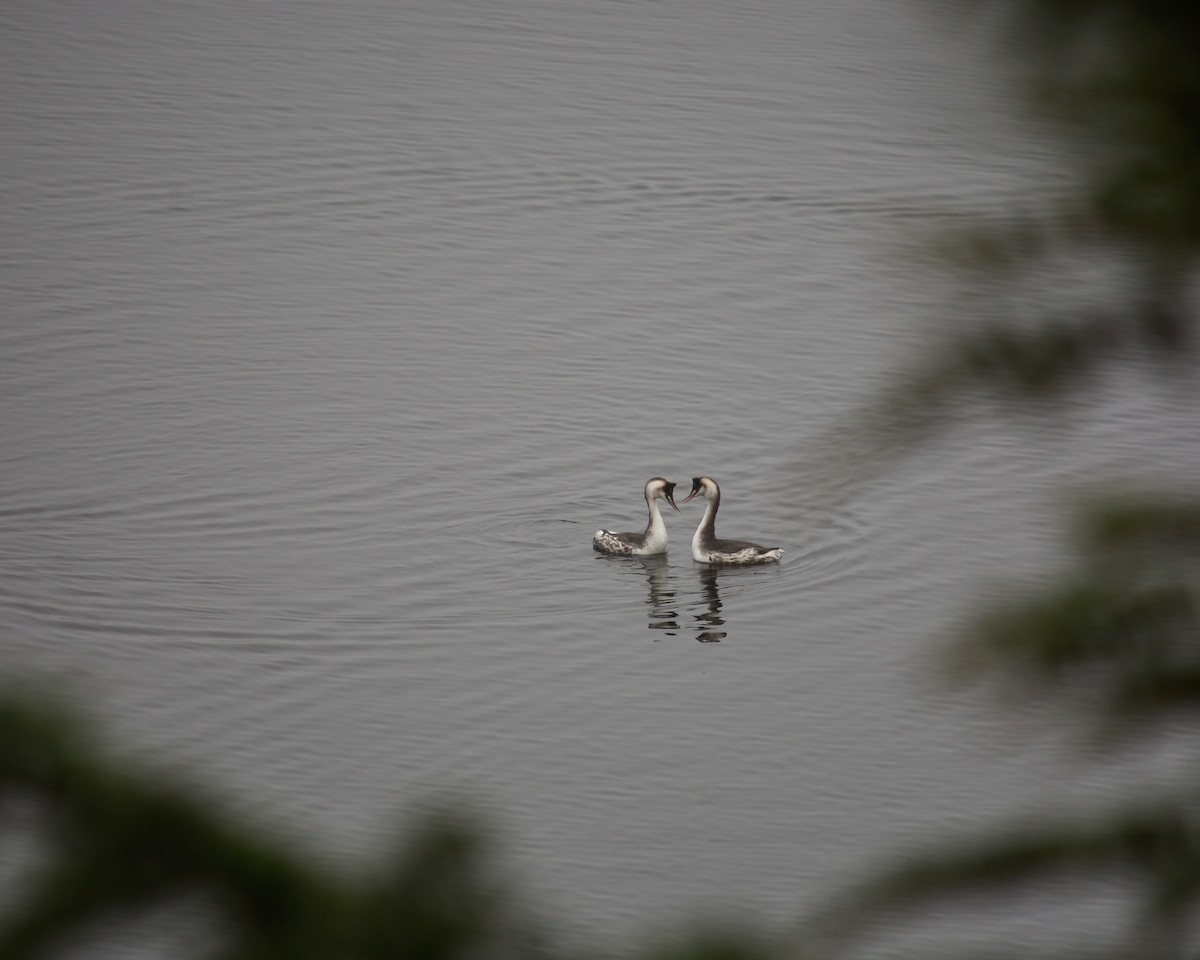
(117, 843)
(1123, 77)
(1116, 640)
(1125, 622)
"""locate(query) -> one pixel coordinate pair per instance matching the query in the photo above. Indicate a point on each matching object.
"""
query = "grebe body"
(653, 539)
(708, 548)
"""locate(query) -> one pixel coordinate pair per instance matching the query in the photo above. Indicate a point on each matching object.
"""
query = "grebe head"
(704, 487)
(659, 489)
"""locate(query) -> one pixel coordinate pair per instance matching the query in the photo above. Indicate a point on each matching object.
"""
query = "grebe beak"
(695, 489)
(689, 497)
(670, 494)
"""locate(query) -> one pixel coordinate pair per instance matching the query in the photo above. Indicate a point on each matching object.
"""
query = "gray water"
(331, 332)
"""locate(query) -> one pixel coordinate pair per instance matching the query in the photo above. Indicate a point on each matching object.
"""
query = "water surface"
(333, 331)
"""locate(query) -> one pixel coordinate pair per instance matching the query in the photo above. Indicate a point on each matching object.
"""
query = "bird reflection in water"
(663, 601)
(661, 607)
(709, 623)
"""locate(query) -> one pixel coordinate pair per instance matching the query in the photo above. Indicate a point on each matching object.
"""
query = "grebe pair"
(706, 547)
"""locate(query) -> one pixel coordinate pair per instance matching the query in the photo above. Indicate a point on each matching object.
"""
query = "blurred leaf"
(122, 842)
(1153, 525)
(1157, 841)
(1084, 622)
(1118, 635)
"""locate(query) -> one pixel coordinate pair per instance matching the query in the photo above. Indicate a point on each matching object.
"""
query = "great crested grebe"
(707, 548)
(654, 539)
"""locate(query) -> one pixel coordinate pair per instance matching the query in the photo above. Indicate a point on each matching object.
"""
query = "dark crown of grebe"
(703, 486)
(661, 487)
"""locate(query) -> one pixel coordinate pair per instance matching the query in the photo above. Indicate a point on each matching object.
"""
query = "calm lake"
(332, 331)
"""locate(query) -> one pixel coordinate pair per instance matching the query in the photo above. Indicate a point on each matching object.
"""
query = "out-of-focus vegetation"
(1118, 83)
(117, 844)
(1118, 636)
(1116, 640)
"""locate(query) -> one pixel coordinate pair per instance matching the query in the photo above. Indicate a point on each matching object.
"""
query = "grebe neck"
(706, 532)
(655, 528)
